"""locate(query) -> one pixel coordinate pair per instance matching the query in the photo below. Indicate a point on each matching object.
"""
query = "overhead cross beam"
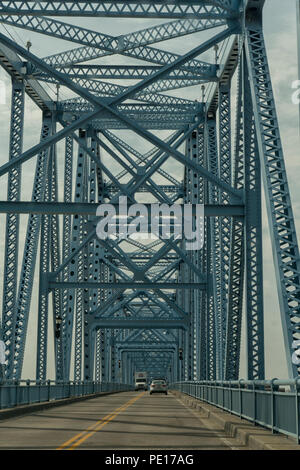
(134, 8)
(80, 122)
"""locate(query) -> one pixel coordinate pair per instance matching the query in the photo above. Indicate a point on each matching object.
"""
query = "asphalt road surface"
(131, 420)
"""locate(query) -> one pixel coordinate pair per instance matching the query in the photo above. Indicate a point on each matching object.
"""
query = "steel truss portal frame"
(121, 305)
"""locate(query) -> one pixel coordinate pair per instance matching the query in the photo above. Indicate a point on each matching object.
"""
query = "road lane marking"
(82, 436)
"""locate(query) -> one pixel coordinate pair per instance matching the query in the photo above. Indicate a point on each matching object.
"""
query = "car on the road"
(158, 386)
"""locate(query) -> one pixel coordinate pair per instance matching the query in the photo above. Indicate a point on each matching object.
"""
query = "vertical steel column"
(82, 295)
(110, 336)
(113, 356)
(91, 271)
(107, 357)
(55, 259)
(66, 251)
(29, 257)
(253, 241)
(98, 357)
(12, 223)
(180, 301)
(224, 109)
(75, 271)
(203, 295)
(214, 331)
(187, 298)
(99, 269)
(193, 188)
(45, 249)
(103, 356)
(279, 208)
(55, 251)
(237, 253)
(199, 260)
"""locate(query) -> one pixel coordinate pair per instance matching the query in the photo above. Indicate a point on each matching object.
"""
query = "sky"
(281, 42)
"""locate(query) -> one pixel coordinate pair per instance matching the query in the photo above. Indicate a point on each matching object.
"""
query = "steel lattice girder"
(108, 43)
(132, 72)
(110, 300)
(280, 213)
(236, 276)
(12, 221)
(152, 9)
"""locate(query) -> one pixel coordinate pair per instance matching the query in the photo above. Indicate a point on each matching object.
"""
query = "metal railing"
(25, 392)
(273, 404)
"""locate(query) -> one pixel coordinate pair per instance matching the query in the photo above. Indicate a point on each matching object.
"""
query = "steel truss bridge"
(136, 119)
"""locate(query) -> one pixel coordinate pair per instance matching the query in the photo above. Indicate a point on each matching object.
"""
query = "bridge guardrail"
(26, 392)
(273, 404)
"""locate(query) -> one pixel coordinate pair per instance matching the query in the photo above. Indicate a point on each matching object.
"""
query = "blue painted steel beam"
(11, 249)
(134, 8)
(153, 139)
(164, 324)
(29, 258)
(131, 72)
(76, 34)
(126, 285)
(279, 208)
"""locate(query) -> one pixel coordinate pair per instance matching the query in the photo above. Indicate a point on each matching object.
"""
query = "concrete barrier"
(253, 436)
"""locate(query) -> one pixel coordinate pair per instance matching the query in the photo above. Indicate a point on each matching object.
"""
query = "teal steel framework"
(117, 306)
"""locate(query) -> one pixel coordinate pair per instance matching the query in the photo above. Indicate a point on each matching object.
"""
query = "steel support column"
(11, 249)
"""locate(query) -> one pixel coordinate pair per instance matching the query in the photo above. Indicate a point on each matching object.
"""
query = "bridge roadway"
(131, 420)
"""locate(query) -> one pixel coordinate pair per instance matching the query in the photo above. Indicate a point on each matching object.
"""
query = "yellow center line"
(77, 436)
(82, 436)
